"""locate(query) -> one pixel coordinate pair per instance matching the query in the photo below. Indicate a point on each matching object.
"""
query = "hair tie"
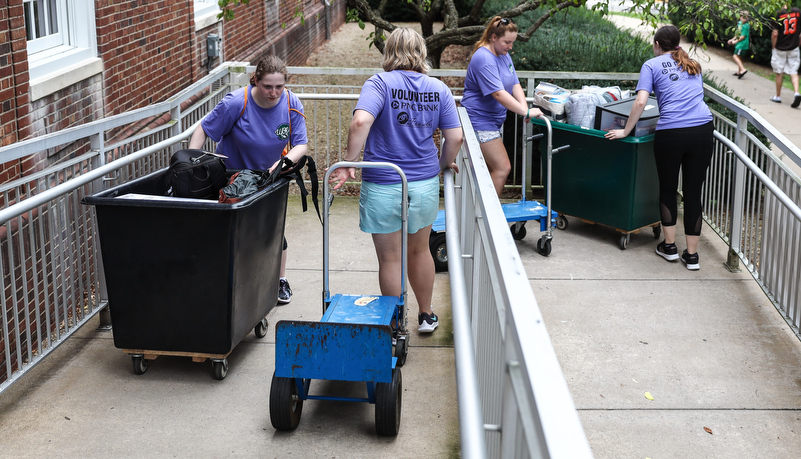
(678, 47)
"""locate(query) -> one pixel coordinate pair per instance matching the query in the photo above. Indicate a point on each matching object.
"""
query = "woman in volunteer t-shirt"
(491, 88)
(683, 140)
(395, 119)
(252, 126)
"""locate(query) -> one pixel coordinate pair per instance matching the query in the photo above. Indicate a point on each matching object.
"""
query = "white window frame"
(206, 12)
(68, 55)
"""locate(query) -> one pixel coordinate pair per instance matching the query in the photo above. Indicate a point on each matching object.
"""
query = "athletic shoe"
(667, 251)
(691, 261)
(428, 322)
(796, 100)
(284, 292)
(776, 99)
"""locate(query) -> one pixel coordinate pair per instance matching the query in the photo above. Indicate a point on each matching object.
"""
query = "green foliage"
(725, 112)
(580, 40)
(722, 26)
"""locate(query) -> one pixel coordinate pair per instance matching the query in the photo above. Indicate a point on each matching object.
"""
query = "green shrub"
(580, 40)
(725, 112)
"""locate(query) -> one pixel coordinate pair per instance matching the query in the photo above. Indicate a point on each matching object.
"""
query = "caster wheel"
(518, 232)
(139, 364)
(402, 349)
(220, 368)
(261, 328)
(544, 246)
(439, 250)
(285, 404)
(388, 398)
(561, 222)
(657, 231)
(624, 241)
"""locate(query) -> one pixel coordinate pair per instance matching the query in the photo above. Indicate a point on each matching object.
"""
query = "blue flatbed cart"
(352, 342)
(518, 213)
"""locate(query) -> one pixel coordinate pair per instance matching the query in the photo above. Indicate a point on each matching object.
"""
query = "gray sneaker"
(284, 292)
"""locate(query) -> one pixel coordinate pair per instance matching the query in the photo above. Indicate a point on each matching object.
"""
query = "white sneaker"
(428, 322)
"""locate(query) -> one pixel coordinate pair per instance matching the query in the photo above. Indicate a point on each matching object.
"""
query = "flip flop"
(740, 76)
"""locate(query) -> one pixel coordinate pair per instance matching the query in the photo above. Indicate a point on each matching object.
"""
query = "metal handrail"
(769, 184)
(471, 424)
(45, 196)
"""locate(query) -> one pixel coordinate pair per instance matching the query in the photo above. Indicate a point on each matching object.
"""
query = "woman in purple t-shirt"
(491, 88)
(253, 134)
(683, 139)
(395, 119)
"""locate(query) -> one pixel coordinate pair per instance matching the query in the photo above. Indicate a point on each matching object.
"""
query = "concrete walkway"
(709, 348)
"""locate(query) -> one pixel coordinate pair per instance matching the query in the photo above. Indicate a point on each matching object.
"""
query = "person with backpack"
(395, 119)
(254, 126)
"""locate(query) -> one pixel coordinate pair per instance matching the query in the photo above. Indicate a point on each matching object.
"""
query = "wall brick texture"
(150, 51)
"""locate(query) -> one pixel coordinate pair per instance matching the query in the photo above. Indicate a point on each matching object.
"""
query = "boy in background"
(741, 43)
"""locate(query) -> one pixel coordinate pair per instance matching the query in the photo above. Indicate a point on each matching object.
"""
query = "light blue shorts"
(486, 136)
(380, 208)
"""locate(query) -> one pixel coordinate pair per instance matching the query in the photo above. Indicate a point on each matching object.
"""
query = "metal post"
(738, 200)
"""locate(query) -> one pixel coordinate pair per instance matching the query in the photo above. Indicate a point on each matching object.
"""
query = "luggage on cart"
(188, 277)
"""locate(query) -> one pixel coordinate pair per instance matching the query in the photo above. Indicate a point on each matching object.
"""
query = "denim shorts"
(486, 136)
(380, 208)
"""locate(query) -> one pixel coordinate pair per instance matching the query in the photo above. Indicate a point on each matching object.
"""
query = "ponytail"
(690, 66)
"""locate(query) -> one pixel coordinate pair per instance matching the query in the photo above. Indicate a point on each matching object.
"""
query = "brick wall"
(150, 51)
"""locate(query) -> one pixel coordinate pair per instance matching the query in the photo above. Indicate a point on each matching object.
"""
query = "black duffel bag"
(195, 174)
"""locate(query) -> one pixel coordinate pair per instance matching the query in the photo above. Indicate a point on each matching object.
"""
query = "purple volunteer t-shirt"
(255, 139)
(408, 107)
(680, 96)
(487, 73)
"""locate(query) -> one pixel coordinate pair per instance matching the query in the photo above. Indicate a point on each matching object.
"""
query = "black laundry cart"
(188, 277)
(608, 182)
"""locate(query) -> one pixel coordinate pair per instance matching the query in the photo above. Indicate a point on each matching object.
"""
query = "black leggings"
(691, 150)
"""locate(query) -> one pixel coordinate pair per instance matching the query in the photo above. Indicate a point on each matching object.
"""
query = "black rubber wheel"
(439, 250)
(544, 246)
(388, 403)
(561, 222)
(657, 231)
(518, 233)
(220, 368)
(624, 241)
(285, 404)
(402, 349)
(139, 364)
(261, 328)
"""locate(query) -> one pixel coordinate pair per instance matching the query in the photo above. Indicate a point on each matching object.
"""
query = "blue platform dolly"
(518, 213)
(352, 342)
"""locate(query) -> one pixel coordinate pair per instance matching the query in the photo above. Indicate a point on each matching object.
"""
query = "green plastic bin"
(611, 182)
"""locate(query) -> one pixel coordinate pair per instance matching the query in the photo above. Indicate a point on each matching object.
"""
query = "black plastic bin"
(188, 276)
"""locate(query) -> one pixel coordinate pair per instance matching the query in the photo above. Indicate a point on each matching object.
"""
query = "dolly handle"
(535, 137)
(560, 149)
